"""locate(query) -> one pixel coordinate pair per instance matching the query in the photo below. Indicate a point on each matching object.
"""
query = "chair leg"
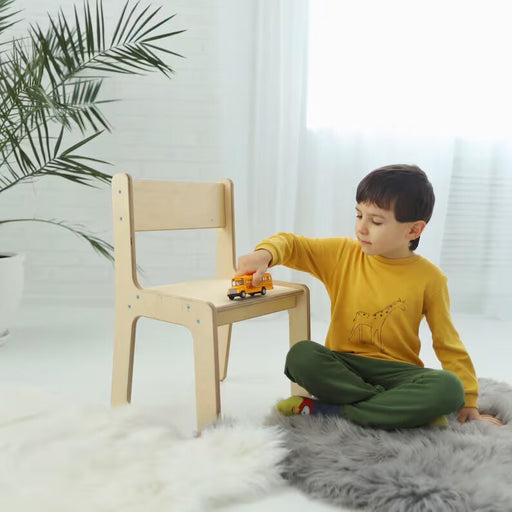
(124, 346)
(206, 362)
(300, 329)
(224, 337)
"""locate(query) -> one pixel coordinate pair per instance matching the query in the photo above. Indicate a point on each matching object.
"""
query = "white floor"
(67, 350)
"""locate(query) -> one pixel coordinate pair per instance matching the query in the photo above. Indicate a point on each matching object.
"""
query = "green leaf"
(6, 19)
(135, 30)
(82, 143)
(123, 30)
(102, 247)
(79, 38)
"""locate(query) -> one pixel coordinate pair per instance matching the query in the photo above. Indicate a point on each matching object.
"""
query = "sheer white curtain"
(279, 112)
(343, 87)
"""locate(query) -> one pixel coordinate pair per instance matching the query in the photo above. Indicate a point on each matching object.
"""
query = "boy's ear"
(416, 229)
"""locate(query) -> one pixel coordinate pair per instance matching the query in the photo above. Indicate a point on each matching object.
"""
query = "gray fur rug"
(463, 468)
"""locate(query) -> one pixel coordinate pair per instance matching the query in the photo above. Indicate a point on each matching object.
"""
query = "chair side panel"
(124, 241)
(164, 205)
(226, 257)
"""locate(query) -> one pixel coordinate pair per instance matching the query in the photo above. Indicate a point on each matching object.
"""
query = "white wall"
(193, 127)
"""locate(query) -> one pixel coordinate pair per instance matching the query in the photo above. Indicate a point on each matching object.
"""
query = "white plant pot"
(11, 289)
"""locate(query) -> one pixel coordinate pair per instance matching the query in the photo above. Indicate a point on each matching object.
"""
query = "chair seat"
(214, 291)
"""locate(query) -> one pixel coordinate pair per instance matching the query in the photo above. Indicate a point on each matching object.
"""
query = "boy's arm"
(448, 346)
(451, 351)
(316, 256)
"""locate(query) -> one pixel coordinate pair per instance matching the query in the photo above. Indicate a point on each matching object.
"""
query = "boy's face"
(380, 234)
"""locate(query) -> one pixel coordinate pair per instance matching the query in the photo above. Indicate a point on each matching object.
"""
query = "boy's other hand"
(472, 413)
(255, 263)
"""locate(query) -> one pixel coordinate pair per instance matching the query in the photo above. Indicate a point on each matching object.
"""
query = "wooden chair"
(201, 306)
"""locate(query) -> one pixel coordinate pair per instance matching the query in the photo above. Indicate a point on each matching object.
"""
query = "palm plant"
(50, 84)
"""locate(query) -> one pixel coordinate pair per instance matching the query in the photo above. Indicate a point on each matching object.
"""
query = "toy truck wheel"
(243, 295)
(231, 297)
(263, 291)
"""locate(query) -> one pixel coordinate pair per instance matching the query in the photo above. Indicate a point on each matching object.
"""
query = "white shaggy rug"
(59, 457)
(464, 468)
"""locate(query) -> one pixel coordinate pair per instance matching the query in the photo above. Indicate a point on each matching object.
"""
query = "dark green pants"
(374, 392)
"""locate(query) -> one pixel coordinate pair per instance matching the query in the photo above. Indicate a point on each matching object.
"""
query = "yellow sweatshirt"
(377, 303)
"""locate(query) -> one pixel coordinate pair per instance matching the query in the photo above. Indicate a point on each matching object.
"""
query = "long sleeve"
(446, 341)
(313, 255)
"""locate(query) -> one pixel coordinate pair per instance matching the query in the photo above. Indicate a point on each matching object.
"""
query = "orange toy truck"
(242, 285)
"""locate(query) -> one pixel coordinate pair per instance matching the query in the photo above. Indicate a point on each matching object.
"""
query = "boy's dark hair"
(403, 188)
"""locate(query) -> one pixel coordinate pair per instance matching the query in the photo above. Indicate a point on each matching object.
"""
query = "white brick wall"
(193, 127)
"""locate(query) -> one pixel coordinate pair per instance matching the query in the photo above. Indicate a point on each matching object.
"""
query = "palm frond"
(38, 159)
(84, 47)
(79, 101)
(128, 50)
(100, 246)
(43, 70)
(6, 20)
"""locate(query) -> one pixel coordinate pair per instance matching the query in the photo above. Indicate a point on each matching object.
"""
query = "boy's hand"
(471, 413)
(255, 263)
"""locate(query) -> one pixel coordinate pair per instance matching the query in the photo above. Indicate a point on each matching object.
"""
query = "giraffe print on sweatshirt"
(367, 327)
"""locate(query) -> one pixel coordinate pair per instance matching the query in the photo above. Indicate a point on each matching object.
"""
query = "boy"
(369, 370)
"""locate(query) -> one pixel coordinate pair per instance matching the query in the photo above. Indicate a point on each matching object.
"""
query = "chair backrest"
(150, 205)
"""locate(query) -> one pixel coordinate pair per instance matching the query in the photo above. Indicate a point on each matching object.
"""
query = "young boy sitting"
(369, 370)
